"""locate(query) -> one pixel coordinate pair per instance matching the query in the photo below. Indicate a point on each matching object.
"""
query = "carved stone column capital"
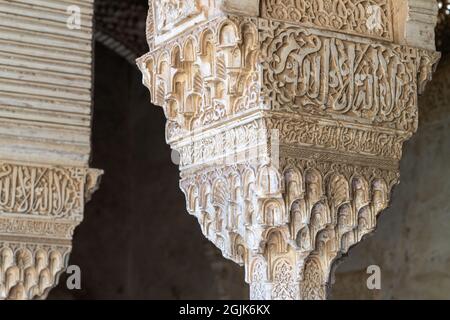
(40, 206)
(45, 140)
(289, 117)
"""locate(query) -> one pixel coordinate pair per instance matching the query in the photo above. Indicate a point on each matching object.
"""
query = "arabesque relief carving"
(40, 206)
(170, 12)
(45, 135)
(43, 191)
(202, 84)
(290, 125)
(372, 18)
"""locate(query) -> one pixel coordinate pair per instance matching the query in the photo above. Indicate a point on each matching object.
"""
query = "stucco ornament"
(289, 118)
(45, 126)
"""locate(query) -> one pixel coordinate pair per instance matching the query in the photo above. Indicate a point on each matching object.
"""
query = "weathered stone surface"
(411, 243)
(289, 123)
(123, 259)
(45, 119)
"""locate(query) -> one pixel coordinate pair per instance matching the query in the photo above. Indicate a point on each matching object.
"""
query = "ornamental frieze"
(371, 18)
(36, 228)
(44, 191)
(305, 131)
(40, 207)
(249, 141)
(169, 13)
(341, 78)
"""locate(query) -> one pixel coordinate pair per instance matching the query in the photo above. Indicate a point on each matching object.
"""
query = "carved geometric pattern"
(205, 77)
(29, 270)
(42, 191)
(321, 209)
(40, 206)
(258, 279)
(289, 135)
(370, 18)
(126, 27)
(313, 284)
(45, 134)
(283, 288)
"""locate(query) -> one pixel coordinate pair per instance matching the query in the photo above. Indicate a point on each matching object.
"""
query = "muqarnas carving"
(290, 128)
(40, 206)
(28, 271)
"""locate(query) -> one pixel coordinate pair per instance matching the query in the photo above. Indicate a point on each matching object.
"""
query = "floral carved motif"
(169, 13)
(336, 136)
(45, 139)
(43, 191)
(363, 17)
(290, 127)
(40, 206)
(332, 77)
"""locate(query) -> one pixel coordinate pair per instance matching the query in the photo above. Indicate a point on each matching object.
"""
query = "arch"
(344, 218)
(220, 194)
(18, 292)
(314, 189)
(40, 260)
(249, 183)
(272, 213)
(23, 258)
(325, 243)
(6, 258)
(175, 57)
(380, 195)
(45, 280)
(227, 34)
(30, 277)
(235, 187)
(12, 277)
(360, 192)
(276, 241)
(319, 215)
(366, 221)
(189, 50)
(303, 239)
(293, 185)
(205, 36)
(205, 195)
(268, 181)
(238, 248)
(163, 62)
(338, 190)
